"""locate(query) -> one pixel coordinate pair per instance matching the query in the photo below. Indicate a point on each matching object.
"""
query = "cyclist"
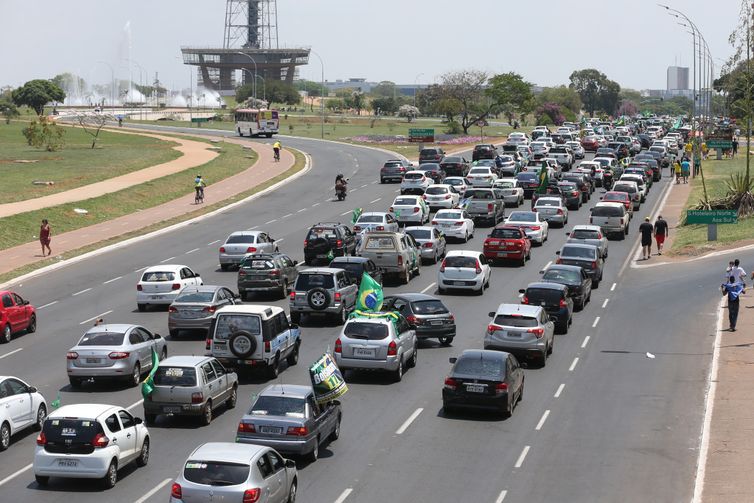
(276, 148)
(199, 185)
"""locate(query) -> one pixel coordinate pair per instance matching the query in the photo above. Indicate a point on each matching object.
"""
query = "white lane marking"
(287, 215)
(364, 185)
(153, 491)
(374, 182)
(15, 474)
(596, 320)
(252, 228)
(279, 240)
(586, 341)
(701, 464)
(111, 280)
(408, 421)
(604, 304)
(612, 288)
(501, 497)
(95, 317)
(522, 457)
(142, 269)
(82, 291)
(315, 205)
(133, 405)
(346, 213)
(47, 305)
(344, 495)
(376, 200)
(428, 288)
(559, 391)
(542, 420)
(213, 242)
(192, 251)
(548, 264)
(11, 353)
(302, 210)
(573, 364)
(271, 221)
(166, 260)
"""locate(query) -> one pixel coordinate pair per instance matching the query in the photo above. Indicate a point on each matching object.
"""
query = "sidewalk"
(263, 170)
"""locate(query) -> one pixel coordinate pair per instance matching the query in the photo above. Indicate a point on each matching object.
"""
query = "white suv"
(161, 284)
(89, 441)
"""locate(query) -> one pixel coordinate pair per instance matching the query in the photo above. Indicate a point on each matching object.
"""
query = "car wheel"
(466, 238)
(382, 180)
(75, 382)
(596, 284)
(143, 458)
(4, 436)
(523, 261)
(135, 378)
(41, 416)
(398, 373)
(342, 317)
(42, 480)
(293, 357)
(296, 318)
(6, 334)
(150, 418)
(224, 267)
(206, 417)
(414, 357)
(174, 333)
(314, 454)
(521, 393)
(406, 277)
(111, 477)
(32, 324)
(508, 410)
(141, 307)
(163, 354)
(543, 358)
(552, 345)
(273, 369)
(336, 431)
(233, 398)
(292, 492)
(441, 290)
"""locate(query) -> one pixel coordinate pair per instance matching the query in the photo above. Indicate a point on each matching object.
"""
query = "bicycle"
(276, 155)
(199, 197)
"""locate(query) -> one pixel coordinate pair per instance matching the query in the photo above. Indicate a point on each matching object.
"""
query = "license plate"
(171, 410)
(513, 334)
(157, 297)
(435, 322)
(271, 429)
(476, 388)
(366, 352)
(459, 283)
(502, 254)
(68, 463)
(93, 360)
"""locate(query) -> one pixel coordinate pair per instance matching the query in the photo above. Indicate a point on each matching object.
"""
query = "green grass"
(692, 239)
(22, 228)
(77, 164)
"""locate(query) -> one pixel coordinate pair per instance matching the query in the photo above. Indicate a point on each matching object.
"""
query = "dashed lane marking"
(345, 213)
(573, 364)
(153, 491)
(542, 420)
(82, 291)
(604, 304)
(596, 320)
(213, 242)
(344, 495)
(428, 288)
(376, 200)
(192, 251)
(167, 260)
(612, 288)
(288, 215)
(408, 421)
(559, 391)
(134, 405)
(501, 497)
(6, 355)
(586, 341)
(95, 317)
(522, 457)
(47, 305)
(15, 474)
(111, 280)
(271, 221)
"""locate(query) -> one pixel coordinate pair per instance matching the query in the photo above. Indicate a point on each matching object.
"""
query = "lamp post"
(322, 97)
(112, 82)
(254, 83)
(264, 88)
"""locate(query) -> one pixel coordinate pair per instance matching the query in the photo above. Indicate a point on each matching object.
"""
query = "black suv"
(484, 151)
(327, 240)
(554, 298)
(431, 154)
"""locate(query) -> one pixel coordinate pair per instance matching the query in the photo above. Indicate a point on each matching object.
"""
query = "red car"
(16, 315)
(590, 143)
(619, 197)
(507, 242)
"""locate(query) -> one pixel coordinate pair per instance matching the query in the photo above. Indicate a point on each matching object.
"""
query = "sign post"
(199, 120)
(712, 218)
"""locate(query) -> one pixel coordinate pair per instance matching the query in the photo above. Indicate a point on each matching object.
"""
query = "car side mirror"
(197, 275)
(491, 314)
(568, 234)
(236, 295)
(557, 252)
(289, 463)
(522, 290)
(295, 263)
(26, 303)
(157, 336)
(293, 326)
(452, 359)
(542, 271)
(138, 420)
(31, 389)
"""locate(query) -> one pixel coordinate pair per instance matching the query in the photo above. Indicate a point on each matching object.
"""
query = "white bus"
(254, 122)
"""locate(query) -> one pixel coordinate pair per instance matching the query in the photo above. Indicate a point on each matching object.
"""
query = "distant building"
(678, 78)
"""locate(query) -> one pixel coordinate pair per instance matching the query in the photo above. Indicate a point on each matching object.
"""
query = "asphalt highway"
(601, 422)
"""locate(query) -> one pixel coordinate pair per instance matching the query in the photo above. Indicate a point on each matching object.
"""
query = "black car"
(433, 170)
(455, 166)
(606, 152)
(431, 154)
(427, 315)
(646, 140)
(582, 181)
(572, 276)
(553, 189)
(355, 267)
(327, 240)
(571, 194)
(653, 163)
(485, 151)
(529, 181)
(394, 169)
(587, 257)
(554, 298)
(483, 379)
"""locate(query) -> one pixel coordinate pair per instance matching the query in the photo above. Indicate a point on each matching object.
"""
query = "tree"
(278, 91)
(463, 94)
(549, 113)
(384, 106)
(510, 94)
(597, 92)
(93, 123)
(8, 109)
(410, 112)
(36, 94)
(358, 101)
(334, 104)
(312, 89)
(44, 133)
(69, 82)
(627, 107)
(384, 89)
(564, 96)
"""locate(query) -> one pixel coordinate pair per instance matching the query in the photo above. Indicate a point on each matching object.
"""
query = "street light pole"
(322, 93)
(254, 84)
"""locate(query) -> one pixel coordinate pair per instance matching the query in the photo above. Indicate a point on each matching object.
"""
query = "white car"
(533, 224)
(458, 183)
(464, 270)
(578, 150)
(161, 284)
(376, 221)
(89, 441)
(539, 147)
(415, 182)
(410, 210)
(481, 176)
(21, 406)
(454, 224)
(441, 196)
(239, 244)
(517, 138)
(639, 181)
(513, 194)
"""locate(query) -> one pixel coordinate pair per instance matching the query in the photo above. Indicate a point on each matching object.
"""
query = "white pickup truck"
(563, 154)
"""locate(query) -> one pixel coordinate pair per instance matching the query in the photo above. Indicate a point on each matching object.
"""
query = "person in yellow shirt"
(276, 148)
(677, 168)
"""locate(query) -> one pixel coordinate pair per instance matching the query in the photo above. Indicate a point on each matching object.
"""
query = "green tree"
(384, 89)
(463, 94)
(8, 109)
(597, 92)
(278, 91)
(44, 133)
(334, 104)
(313, 89)
(244, 92)
(564, 96)
(384, 105)
(510, 94)
(36, 94)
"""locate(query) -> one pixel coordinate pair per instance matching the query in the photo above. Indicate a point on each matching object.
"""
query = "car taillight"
(442, 266)
(492, 328)
(338, 346)
(447, 196)
(478, 268)
(458, 223)
(416, 208)
(501, 388)
(100, 440)
(176, 492)
(275, 272)
(222, 249)
(172, 309)
(434, 222)
(139, 288)
(71, 355)
(594, 264)
(490, 207)
(208, 344)
(562, 303)
(246, 428)
(241, 273)
(621, 222)
(339, 243)
(41, 439)
(451, 383)
(267, 346)
(591, 220)
(176, 286)
(413, 320)
(357, 228)
(380, 227)
(337, 296)
(197, 397)
(250, 249)
(400, 261)
(558, 261)
(535, 227)
(209, 309)
(251, 495)
(538, 332)
(118, 355)
(560, 212)
(524, 299)
(392, 349)
(424, 196)
(306, 243)
(299, 431)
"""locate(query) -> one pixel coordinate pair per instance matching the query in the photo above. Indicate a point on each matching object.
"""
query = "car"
(517, 138)
(640, 184)
(195, 305)
(507, 242)
(611, 217)
(226, 471)
(529, 181)
(510, 190)
(397, 254)
(464, 270)
(323, 291)
(425, 314)
(485, 205)
(620, 148)
(484, 151)
(458, 183)
(553, 210)
(554, 298)
(483, 379)
(431, 154)
(16, 315)
(118, 351)
(433, 170)
(593, 169)
(190, 386)
(266, 272)
(21, 406)
(591, 235)
(563, 155)
(606, 152)
(552, 189)
(539, 147)
(377, 344)
(328, 238)
(585, 256)
(394, 169)
(376, 221)
(575, 278)
(570, 194)
(578, 151)
(431, 240)
(288, 418)
(664, 159)
(481, 176)
(441, 196)
(590, 143)
(584, 183)
(355, 268)
(89, 441)
(415, 182)
(455, 223)
(532, 223)
(161, 284)
(525, 151)
(525, 331)
(410, 210)
(620, 197)
(240, 244)
(508, 165)
(632, 189)
(455, 166)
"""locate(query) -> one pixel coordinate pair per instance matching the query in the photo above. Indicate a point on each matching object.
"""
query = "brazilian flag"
(356, 214)
(147, 387)
(544, 179)
(370, 295)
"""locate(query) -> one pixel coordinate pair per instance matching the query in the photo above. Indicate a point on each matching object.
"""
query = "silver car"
(524, 330)
(288, 418)
(195, 305)
(224, 471)
(552, 209)
(114, 350)
(431, 241)
(590, 235)
(241, 243)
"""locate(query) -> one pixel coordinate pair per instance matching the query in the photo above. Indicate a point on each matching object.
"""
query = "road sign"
(200, 119)
(716, 143)
(421, 135)
(711, 217)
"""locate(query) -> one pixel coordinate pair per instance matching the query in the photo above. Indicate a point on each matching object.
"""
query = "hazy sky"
(406, 41)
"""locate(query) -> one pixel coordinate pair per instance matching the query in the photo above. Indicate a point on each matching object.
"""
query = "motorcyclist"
(340, 183)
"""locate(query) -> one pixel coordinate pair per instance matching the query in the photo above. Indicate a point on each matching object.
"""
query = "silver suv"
(524, 330)
(323, 291)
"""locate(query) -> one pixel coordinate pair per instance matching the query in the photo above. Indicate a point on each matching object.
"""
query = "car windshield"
(195, 297)
(526, 176)
(523, 216)
(453, 181)
(155, 276)
(515, 320)
(615, 196)
(577, 251)
(214, 473)
(560, 276)
(370, 219)
(484, 368)
(585, 234)
(460, 261)
(393, 164)
(413, 176)
(65, 430)
(448, 215)
(267, 405)
(378, 243)
(433, 191)
(405, 201)
(240, 238)
(306, 282)
(420, 233)
(543, 296)
(367, 331)
(433, 306)
(175, 376)
(504, 185)
(102, 339)
(449, 160)
(228, 324)
(479, 194)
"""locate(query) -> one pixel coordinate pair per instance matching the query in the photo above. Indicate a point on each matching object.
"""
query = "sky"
(404, 41)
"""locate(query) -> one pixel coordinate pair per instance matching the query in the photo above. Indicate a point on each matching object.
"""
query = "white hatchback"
(415, 182)
(458, 183)
(481, 176)
(464, 270)
(21, 406)
(376, 221)
(442, 196)
(161, 284)
(410, 210)
(454, 224)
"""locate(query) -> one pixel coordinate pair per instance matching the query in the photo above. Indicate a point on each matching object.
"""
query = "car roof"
(184, 360)
(326, 224)
(526, 309)
(546, 286)
(82, 410)
(563, 267)
(230, 452)
(328, 270)
(245, 233)
(201, 288)
(463, 253)
(418, 228)
(484, 353)
(348, 260)
(256, 309)
(613, 204)
(578, 245)
(295, 390)
(587, 227)
(372, 214)
(120, 328)
(416, 171)
(165, 268)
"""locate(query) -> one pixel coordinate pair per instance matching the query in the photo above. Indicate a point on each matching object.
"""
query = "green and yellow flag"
(356, 214)
(147, 387)
(56, 403)
(370, 295)
(544, 179)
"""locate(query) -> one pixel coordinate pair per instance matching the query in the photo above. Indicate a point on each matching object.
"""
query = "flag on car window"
(370, 294)
(147, 387)
(543, 179)
(356, 214)
(330, 255)
(327, 380)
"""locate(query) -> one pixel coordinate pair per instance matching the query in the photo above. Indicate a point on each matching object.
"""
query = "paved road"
(620, 426)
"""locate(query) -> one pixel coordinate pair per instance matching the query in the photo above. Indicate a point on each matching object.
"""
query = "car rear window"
(454, 181)
(321, 232)
(615, 196)
(102, 339)
(526, 176)
(395, 164)
(228, 324)
(257, 263)
(479, 171)
(606, 211)
(63, 430)
(558, 275)
(523, 216)
(241, 238)
(214, 473)
(195, 297)
(506, 234)
(624, 188)
(577, 251)
(479, 194)
(546, 296)
(460, 261)
(420, 233)
(368, 331)
(450, 160)
(433, 306)
(405, 201)
(413, 176)
(428, 151)
(156, 276)
(370, 219)
(278, 406)
(378, 243)
(353, 269)
(515, 320)
(547, 202)
(175, 376)
(585, 234)
(434, 191)
(484, 368)
(448, 215)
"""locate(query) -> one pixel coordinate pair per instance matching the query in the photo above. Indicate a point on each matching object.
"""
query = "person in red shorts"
(661, 232)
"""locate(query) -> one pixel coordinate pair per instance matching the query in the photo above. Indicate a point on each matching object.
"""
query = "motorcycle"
(340, 190)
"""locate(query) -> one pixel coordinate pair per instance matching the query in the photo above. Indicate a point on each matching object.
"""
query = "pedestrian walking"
(685, 170)
(661, 232)
(677, 169)
(733, 290)
(45, 237)
(646, 229)
(735, 146)
(734, 269)
(697, 163)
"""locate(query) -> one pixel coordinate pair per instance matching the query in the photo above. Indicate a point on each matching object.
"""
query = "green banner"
(711, 217)
(327, 381)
